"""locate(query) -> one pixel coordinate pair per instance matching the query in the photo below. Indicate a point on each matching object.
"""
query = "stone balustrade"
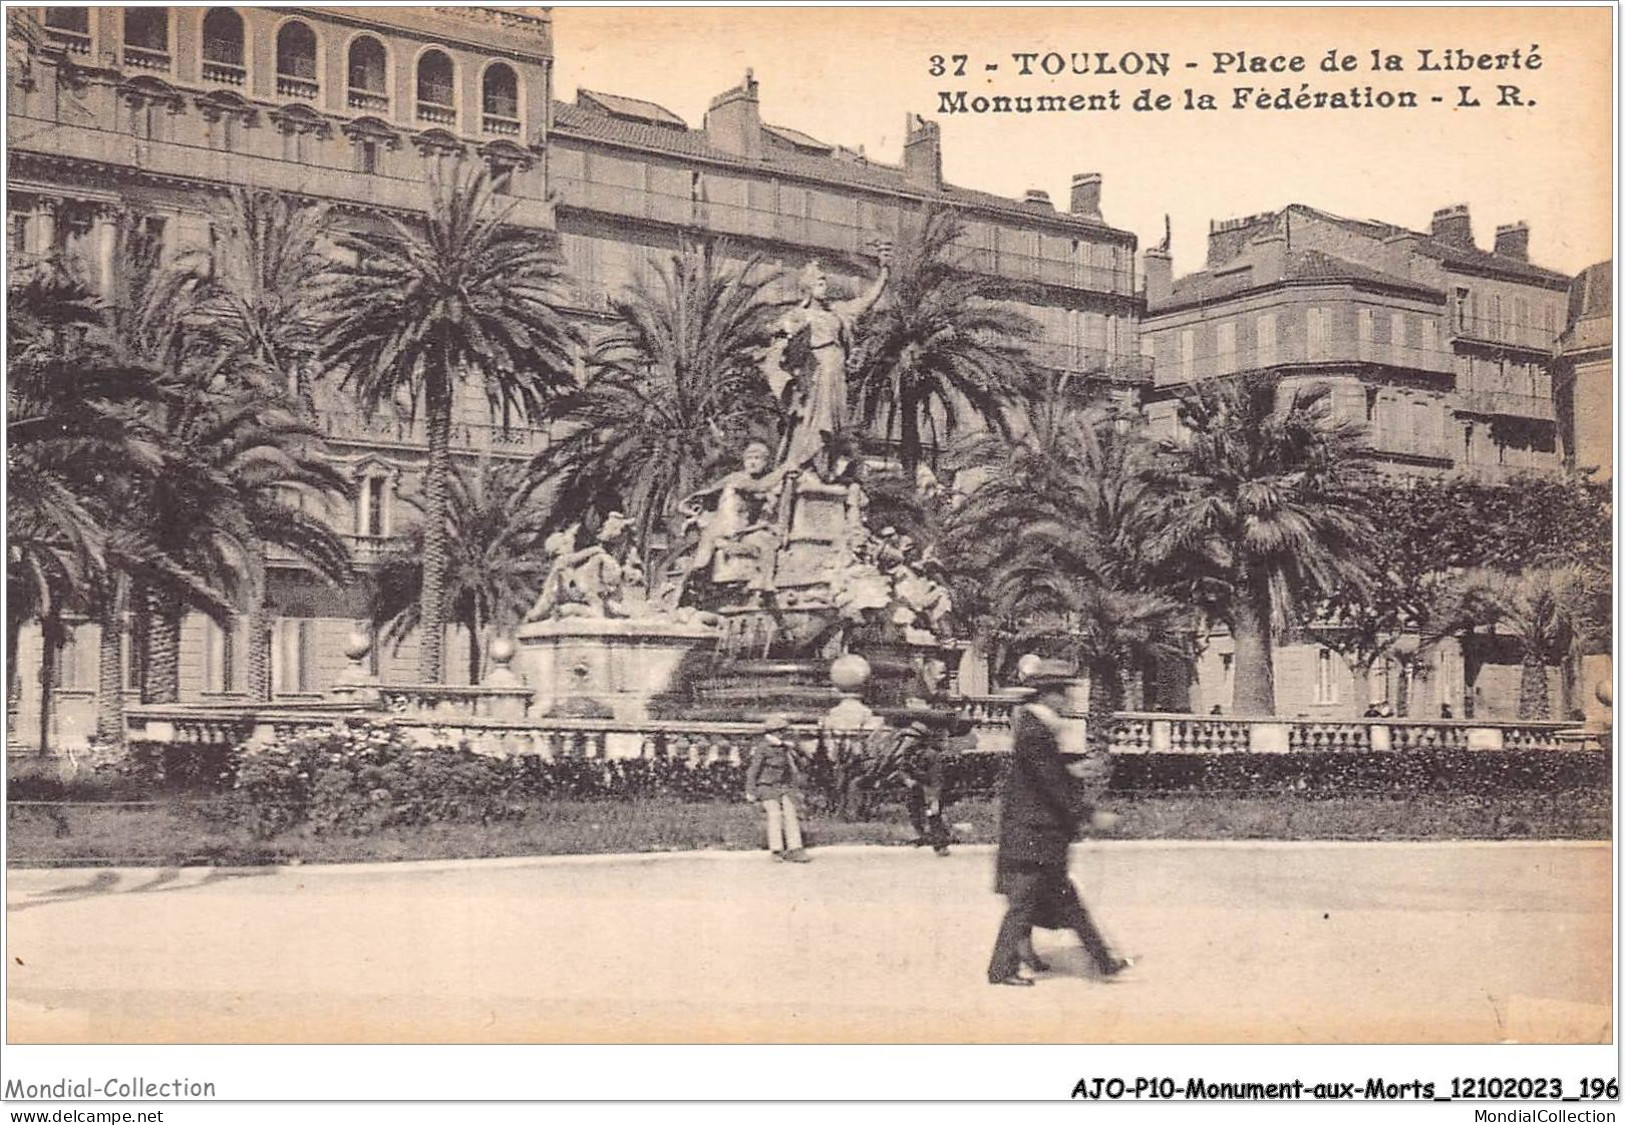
(696, 742)
(492, 720)
(1160, 733)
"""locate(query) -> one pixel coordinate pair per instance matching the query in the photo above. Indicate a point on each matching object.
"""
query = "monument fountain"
(779, 574)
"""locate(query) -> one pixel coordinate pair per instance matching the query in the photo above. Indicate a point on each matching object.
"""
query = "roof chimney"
(922, 153)
(1453, 226)
(1268, 252)
(734, 121)
(1086, 194)
(1038, 197)
(1512, 241)
(1159, 276)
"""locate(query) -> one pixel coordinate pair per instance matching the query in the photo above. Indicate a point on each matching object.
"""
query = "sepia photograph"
(702, 526)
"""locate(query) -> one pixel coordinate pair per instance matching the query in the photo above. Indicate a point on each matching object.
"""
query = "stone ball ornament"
(357, 645)
(502, 650)
(1027, 667)
(1605, 693)
(849, 672)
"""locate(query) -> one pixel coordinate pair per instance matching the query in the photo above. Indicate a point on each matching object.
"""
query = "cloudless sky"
(851, 75)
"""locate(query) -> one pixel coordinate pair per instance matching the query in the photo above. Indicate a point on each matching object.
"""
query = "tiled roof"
(797, 139)
(1301, 265)
(633, 108)
(1452, 257)
(1479, 261)
(592, 123)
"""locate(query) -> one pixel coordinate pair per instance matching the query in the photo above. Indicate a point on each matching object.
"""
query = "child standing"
(772, 779)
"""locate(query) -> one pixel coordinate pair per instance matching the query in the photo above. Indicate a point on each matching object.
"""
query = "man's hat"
(1046, 673)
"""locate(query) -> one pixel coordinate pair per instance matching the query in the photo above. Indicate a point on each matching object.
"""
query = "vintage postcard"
(784, 525)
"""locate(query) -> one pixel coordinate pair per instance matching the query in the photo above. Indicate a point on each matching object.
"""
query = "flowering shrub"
(356, 779)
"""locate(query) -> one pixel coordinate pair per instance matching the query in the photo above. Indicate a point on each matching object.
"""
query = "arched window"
(436, 101)
(223, 46)
(146, 38)
(367, 80)
(69, 28)
(500, 98)
(296, 61)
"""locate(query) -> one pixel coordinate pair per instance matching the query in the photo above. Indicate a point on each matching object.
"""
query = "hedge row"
(348, 777)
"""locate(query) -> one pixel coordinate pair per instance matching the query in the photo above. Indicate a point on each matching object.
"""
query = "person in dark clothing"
(924, 777)
(1039, 813)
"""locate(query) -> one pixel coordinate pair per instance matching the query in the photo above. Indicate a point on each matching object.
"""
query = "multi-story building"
(152, 115)
(633, 180)
(1585, 372)
(1444, 351)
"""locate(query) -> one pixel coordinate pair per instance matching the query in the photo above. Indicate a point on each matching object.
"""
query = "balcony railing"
(367, 99)
(1489, 330)
(74, 42)
(1292, 351)
(1507, 404)
(466, 437)
(292, 86)
(436, 114)
(146, 58)
(502, 126)
(1094, 363)
(229, 73)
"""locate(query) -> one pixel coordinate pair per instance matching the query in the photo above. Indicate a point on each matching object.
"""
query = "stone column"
(44, 228)
(104, 226)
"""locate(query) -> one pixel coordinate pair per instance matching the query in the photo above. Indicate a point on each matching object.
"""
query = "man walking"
(1038, 818)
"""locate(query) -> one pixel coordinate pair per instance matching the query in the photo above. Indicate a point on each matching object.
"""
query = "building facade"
(633, 182)
(1585, 372)
(1445, 352)
(152, 115)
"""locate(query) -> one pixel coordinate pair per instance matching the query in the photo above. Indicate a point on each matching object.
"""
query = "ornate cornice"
(372, 129)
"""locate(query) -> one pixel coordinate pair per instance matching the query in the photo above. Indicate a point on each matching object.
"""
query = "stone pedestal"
(608, 666)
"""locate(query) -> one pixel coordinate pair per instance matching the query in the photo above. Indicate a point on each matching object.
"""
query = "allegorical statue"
(807, 364)
(600, 580)
(739, 540)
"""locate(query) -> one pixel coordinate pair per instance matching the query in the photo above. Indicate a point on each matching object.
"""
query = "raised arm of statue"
(865, 301)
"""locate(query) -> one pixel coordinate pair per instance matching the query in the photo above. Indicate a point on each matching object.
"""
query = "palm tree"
(938, 347)
(674, 389)
(1545, 609)
(260, 316)
(1261, 510)
(497, 563)
(80, 410)
(462, 295)
(1056, 530)
(237, 469)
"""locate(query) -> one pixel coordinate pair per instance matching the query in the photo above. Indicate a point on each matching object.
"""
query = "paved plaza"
(1239, 943)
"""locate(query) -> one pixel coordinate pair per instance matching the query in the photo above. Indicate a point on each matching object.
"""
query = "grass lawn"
(179, 832)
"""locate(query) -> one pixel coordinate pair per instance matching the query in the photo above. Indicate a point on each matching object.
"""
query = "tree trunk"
(1471, 663)
(140, 639)
(437, 477)
(14, 679)
(110, 666)
(1402, 690)
(1105, 700)
(1534, 700)
(51, 637)
(259, 653)
(1255, 655)
(473, 627)
(164, 652)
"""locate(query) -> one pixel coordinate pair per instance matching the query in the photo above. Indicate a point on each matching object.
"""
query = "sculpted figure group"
(739, 522)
